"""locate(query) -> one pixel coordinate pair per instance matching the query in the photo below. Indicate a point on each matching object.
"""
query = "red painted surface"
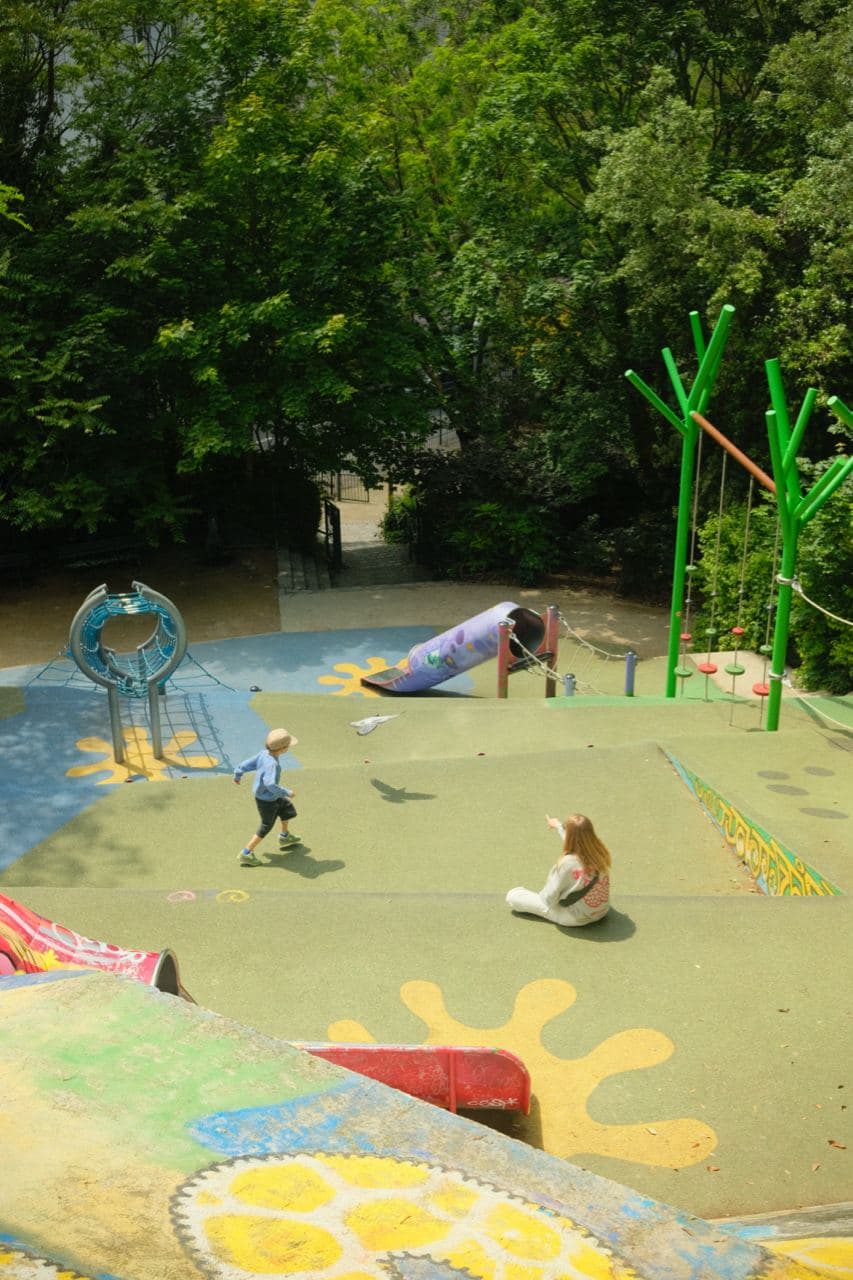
(31, 944)
(452, 1076)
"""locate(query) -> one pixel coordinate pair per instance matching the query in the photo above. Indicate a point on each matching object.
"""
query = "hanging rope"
(535, 665)
(736, 668)
(795, 586)
(709, 668)
(771, 603)
(741, 584)
(683, 671)
(694, 535)
(811, 708)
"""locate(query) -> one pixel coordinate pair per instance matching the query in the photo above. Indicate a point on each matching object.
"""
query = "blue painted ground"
(208, 701)
(279, 661)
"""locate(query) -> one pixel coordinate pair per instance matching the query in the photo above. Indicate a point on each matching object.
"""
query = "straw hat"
(280, 740)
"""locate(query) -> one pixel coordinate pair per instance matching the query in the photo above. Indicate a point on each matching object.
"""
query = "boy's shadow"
(299, 861)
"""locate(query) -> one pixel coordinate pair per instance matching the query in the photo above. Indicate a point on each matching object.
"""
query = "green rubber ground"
(693, 1046)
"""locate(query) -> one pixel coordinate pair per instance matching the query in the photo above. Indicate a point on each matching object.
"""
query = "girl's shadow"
(615, 927)
(299, 861)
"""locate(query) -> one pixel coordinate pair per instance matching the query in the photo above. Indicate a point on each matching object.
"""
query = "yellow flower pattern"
(351, 1217)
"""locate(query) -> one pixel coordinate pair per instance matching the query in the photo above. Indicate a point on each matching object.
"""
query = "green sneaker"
(248, 859)
(285, 841)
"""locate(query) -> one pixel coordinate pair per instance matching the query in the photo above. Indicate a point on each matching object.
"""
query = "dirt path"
(216, 601)
(241, 598)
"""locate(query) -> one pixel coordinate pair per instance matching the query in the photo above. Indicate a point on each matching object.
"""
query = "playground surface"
(693, 1047)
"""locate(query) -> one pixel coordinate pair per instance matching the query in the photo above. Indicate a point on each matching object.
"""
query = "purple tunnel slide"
(461, 647)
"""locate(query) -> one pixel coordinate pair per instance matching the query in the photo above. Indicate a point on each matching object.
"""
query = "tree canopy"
(244, 233)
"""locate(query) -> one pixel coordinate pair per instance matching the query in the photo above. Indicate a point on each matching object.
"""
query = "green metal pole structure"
(696, 399)
(795, 509)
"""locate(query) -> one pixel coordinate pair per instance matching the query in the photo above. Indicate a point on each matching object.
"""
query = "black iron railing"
(332, 538)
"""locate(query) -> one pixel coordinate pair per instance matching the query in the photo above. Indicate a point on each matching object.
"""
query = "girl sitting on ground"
(577, 890)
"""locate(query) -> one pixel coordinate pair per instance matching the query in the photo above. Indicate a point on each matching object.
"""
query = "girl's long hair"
(582, 841)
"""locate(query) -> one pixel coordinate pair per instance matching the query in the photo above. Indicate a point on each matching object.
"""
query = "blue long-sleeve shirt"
(267, 771)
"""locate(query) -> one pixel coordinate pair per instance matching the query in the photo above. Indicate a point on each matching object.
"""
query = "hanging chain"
(538, 667)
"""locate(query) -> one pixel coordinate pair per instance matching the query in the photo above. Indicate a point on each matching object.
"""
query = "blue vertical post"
(630, 669)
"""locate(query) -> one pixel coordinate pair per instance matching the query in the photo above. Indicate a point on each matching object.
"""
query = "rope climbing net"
(188, 677)
(132, 673)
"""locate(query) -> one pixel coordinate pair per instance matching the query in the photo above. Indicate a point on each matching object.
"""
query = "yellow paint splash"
(563, 1086)
(825, 1255)
(139, 758)
(351, 674)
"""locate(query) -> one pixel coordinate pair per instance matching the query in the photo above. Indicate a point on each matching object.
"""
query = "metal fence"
(343, 486)
(332, 538)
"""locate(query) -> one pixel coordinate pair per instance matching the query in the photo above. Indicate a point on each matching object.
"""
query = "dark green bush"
(825, 572)
(643, 555)
(399, 523)
(821, 647)
(482, 513)
(490, 538)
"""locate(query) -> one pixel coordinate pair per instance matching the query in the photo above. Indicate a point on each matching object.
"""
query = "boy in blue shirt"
(273, 800)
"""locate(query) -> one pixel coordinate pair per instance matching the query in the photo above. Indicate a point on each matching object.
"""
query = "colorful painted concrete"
(150, 1138)
(691, 1047)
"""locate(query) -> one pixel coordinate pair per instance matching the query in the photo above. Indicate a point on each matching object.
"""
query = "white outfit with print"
(565, 877)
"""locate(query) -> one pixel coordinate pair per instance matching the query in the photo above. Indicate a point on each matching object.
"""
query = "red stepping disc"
(708, 668)
(761, 690)
(738, 631)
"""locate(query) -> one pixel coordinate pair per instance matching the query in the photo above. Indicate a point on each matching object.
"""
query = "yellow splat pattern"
(563, 1086)
(139, 758)
(350, 676)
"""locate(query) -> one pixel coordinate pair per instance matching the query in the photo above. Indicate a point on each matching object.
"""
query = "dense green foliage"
(243, 241)
(735, 586)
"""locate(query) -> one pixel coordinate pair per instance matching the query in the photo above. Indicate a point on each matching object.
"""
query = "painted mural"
(776, 870)
(152, 1138)
(359, 1217)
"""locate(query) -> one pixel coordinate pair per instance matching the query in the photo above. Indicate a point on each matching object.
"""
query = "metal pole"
(115, 724)
(568, 686)
(154, 721)
(630, 669)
